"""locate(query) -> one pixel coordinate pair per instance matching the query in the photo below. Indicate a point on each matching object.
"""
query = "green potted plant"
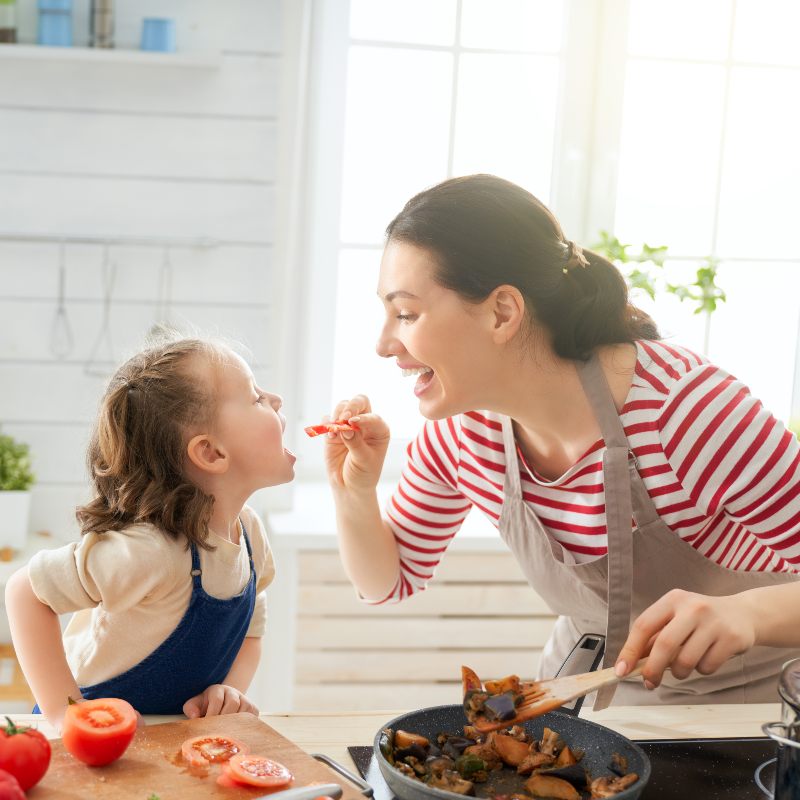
(16, 479)
(645, 271)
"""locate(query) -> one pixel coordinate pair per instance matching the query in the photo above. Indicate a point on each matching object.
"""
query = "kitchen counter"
(332, 733)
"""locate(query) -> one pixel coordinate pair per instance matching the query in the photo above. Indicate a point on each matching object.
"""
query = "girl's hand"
(218, 699)
(684, 631)
(354, 459)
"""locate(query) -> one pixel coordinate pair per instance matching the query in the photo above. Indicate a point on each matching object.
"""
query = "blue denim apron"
(196, 655)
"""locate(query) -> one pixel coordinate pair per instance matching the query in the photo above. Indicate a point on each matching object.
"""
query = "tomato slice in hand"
(257, 771)
(99, 731)
(200, 751)
(337, 426)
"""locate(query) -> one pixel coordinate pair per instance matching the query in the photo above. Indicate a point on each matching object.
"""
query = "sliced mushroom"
(551, 742)
(608, 786)
(535, 761)
(450, 781)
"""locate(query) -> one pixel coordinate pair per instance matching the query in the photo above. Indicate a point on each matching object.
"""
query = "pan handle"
(363, 786)
(584, 657)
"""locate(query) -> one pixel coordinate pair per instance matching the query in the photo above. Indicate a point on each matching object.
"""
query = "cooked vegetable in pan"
(502, 765)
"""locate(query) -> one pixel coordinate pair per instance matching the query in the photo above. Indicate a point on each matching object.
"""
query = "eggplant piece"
(412, 751)
(386, 744)
(450, 781)
(454, 746)
(500, 707)
(547, 786)
(406, 739)
(608, 786)
(574, 773)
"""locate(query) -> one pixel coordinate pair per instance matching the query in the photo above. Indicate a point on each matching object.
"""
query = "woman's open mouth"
(425, 374)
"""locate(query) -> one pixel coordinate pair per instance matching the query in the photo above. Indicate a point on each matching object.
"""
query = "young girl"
(168, 580)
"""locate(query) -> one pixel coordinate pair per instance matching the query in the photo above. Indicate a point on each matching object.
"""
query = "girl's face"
(250, 427)
(441, 341)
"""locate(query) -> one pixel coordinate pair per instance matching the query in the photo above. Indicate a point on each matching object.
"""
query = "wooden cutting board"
(152, 765)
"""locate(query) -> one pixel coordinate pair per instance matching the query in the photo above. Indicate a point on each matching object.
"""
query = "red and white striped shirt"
(723, 473)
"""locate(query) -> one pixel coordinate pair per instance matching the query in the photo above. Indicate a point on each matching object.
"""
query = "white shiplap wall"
(123, 148)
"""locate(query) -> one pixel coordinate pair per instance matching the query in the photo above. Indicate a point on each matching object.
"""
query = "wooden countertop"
(332, 733)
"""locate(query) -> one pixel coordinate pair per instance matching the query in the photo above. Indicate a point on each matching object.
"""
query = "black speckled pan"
(597, 742)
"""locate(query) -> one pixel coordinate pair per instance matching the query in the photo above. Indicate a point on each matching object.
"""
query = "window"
(619, 114)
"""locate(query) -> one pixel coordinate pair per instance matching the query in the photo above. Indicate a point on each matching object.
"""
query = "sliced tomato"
(337, 426)
(200, 751)
(98, 731)
(257, 771)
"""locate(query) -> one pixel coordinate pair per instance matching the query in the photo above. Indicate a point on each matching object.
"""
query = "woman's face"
(440, 341)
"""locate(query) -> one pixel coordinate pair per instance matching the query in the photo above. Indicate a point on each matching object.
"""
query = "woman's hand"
(684, 631)
(218, 699)
(354, 459)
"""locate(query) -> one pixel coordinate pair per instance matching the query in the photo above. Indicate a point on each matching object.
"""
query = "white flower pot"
(14, 515)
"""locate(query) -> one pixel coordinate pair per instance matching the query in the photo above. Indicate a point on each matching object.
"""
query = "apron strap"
(512, 483)
(619, 512)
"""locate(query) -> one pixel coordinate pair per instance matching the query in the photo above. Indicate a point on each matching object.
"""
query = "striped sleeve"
(734, 458)
(427, 509)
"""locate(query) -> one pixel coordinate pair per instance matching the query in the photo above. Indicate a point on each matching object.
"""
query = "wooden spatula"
(539, 697)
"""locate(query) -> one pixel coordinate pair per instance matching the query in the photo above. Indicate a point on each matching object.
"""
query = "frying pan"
(597, 742)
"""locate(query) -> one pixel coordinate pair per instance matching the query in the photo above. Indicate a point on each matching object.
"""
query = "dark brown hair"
(136, 457)
(486, 232)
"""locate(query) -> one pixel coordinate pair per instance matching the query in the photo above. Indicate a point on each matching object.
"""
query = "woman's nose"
(387, 345)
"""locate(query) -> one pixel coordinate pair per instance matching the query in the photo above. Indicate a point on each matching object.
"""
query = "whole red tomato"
(25, 753)
(9, 787)
(98, 731)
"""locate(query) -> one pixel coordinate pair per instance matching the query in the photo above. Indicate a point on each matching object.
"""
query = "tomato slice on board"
(257, 771)
(98, 731)
(200, 751)
(337, 426)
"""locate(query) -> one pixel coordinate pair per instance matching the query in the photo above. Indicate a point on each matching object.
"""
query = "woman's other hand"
(683, 632)
(218, 699)
(354, 459)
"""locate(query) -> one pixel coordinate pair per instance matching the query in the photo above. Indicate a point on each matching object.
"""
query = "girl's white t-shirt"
(129, 590)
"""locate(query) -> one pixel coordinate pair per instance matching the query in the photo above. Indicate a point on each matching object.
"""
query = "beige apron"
(605, 595)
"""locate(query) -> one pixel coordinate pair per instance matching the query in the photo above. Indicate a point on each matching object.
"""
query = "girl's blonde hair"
(137, 454)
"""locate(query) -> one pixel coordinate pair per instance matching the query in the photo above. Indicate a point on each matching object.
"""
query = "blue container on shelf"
(158, 34)
(55, 23)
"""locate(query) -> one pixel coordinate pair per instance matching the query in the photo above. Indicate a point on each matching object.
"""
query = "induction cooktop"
(689, 769)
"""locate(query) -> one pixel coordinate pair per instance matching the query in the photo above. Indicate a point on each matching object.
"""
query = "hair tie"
(574, 257)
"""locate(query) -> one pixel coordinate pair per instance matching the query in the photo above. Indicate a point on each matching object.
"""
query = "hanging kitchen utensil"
(101, 358)
(61, 340)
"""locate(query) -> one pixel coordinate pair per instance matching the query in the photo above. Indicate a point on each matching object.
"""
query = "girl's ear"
(508, 312)
(206, 455)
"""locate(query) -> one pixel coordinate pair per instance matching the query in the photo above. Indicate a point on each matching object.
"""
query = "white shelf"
(203, 60)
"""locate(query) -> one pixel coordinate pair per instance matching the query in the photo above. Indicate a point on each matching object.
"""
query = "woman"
(649, 496)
